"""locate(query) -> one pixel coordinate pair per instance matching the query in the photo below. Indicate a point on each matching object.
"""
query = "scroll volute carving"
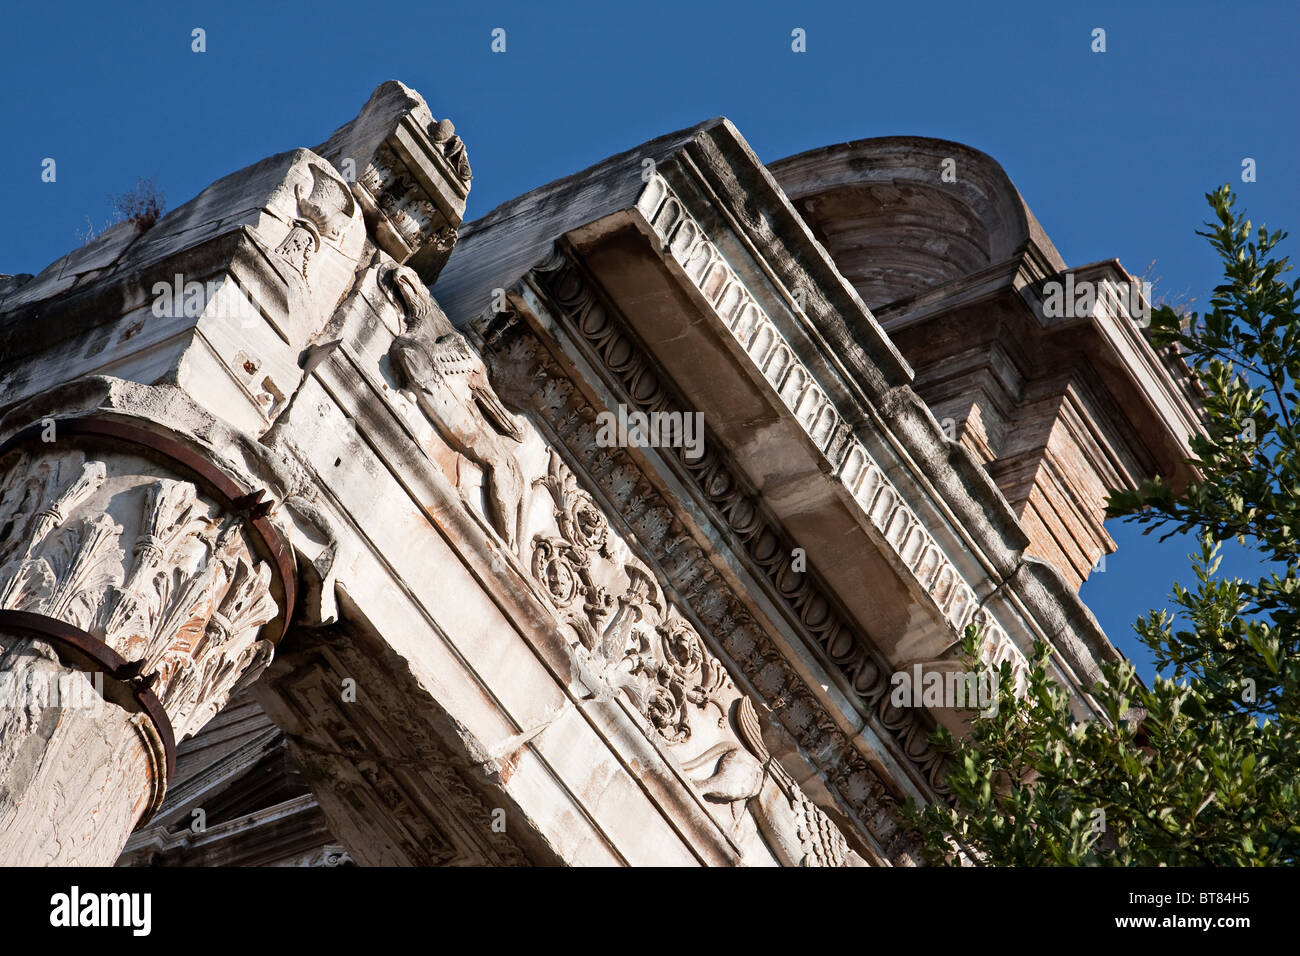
(182, 597)
(322, 215)
(631, 637)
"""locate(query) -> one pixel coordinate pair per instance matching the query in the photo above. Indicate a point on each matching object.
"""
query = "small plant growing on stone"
(142, 205)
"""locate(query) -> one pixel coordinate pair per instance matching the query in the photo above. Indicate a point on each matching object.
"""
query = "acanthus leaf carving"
(627, 630)
(184, 606)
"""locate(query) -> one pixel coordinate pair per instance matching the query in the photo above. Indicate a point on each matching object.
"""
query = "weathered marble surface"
(517, 644)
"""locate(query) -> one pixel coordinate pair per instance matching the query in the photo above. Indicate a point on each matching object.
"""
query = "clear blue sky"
(1112, 151)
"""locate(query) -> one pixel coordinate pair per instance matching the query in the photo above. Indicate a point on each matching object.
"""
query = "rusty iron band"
(230, 494)
(85, 652)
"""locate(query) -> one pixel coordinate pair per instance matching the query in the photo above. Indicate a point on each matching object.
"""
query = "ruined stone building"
(316, 548)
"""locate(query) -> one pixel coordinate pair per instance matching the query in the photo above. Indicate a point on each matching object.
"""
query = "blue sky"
(1113, 151)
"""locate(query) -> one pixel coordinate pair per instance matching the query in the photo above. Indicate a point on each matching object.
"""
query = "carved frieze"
(883, 506)
(626, 628)
(395, 193)
(629, 635)
(630, 632)
(797, 830)
(595, 322)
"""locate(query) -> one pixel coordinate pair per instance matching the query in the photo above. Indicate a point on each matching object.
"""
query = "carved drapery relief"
(443, 134)
(143, 564)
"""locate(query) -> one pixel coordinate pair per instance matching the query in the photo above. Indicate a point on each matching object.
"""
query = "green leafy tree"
(1203, 766)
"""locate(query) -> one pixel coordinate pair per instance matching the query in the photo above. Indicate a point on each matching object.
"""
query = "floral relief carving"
(530, 379)
(629, 633)
(624, 625)
(738, 511)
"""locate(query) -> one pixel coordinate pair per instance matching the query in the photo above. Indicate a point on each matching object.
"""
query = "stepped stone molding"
(807, 600)
(882, 506)
(528, 377)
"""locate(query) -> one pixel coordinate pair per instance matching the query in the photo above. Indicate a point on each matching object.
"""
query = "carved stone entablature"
(375, 754)
(631, 638)
(391, 192)
(883, 509)
(412, 176)
(627, 630)
(628, 636)
(736, 510)
(797, 830)
(602, 594)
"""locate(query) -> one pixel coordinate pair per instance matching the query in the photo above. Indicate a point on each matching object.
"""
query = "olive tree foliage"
(1202, 766)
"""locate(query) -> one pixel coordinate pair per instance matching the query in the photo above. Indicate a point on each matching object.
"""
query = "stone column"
(135, 580)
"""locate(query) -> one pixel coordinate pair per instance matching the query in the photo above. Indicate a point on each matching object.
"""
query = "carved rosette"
(625, 627)
(630, 635)
(147, 565)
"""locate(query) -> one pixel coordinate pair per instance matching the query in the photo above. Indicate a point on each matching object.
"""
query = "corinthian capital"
(134, 561)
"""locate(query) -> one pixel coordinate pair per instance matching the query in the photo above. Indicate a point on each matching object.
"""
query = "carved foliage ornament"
(322, 214)
(184, 597)
(392, 190)
(642, 645)
(625, 626)
(739, 511)
(526, 375)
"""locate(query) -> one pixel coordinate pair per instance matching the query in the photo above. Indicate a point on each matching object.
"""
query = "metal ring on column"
(85, 652)
(234, 498)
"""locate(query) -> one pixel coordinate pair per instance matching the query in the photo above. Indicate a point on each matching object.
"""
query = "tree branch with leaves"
(1202, 767)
